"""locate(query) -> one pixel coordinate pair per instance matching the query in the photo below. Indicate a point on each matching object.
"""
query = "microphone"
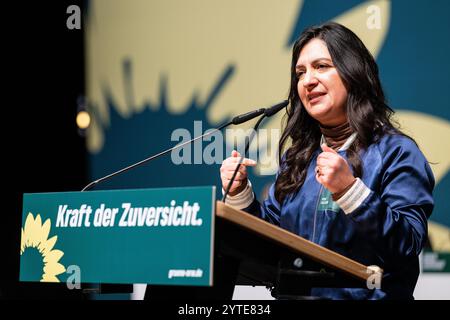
(236, 120)
(274, 109)
(267, 113)
(248, 116)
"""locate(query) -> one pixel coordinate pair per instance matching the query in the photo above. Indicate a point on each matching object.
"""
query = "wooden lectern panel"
(295, 242)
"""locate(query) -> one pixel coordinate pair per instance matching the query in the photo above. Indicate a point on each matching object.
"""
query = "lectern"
(250, 251)
(180, 241)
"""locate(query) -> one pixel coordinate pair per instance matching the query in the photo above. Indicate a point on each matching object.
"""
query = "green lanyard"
(326, 201)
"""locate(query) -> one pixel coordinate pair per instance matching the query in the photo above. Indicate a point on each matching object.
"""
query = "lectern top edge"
(295, 242)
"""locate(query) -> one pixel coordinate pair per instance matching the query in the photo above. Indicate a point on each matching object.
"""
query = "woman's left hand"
(333, 171)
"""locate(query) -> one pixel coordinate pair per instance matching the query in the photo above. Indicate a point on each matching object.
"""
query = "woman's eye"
(300, 74)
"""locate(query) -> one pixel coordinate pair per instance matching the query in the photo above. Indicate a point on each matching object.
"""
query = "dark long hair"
(367, 112)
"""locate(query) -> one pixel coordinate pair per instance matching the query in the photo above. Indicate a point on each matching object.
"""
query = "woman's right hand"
(227, 170)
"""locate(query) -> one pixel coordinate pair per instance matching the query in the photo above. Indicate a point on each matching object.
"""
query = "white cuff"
(353, 198)
(243, 199)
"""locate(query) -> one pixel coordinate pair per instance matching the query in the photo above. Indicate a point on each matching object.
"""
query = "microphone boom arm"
(247, 146)
(236, 120)
(93, 183)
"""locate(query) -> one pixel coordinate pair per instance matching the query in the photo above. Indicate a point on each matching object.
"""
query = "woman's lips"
(313, 99)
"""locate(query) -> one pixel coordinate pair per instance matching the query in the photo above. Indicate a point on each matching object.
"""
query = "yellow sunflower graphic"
(39, 260)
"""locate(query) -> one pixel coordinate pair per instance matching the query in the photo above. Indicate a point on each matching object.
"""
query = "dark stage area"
(44, 151)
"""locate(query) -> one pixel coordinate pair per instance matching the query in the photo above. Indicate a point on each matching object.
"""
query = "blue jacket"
(388, 229)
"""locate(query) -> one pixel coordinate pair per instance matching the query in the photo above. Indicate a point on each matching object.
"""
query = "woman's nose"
(309, 79)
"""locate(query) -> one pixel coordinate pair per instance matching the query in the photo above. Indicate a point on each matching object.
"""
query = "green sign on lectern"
(156, 236)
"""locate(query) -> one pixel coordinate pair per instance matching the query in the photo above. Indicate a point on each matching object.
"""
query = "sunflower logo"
(40, 262)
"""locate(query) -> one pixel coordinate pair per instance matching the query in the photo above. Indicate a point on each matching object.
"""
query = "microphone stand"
(267, 113)
(236, 120)
(93, 183)
(247, 146)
